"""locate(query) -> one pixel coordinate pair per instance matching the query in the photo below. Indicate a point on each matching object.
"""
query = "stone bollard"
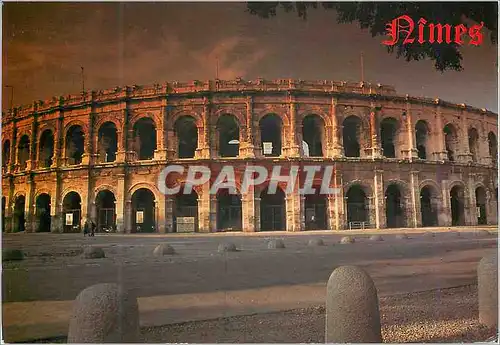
(90, 252)
(104, 313)
(276, 243)
(227, 247)
(347, 240)
(376, 238)
(316, 242)
(163, 249)
(352, 313)
(487, 286)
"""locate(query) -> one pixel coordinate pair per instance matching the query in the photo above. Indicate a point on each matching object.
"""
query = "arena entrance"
(228, 211)
(42, 213)
(394, 211)
(481, 206)
(186, 212)
(457, 206)
(106, 211)
(72, 212)
(19, 218)
(357, 201)
(315, 211)
(143, 206)
(272, 210)
(427, 209)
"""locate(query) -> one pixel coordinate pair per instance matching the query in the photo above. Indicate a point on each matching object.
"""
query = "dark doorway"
(313, 132)
(357, 210)
(457, 206)
(145, 138)
(72, 212)
(19, 216)
(229, 136)
(481, 206)
(228, 211)
(473, 144)
(43, 213)
(315, 211)
(143, 206)
(186, 206)
(272, 210)
(394, 211)
(106, 211)
(427, 208)
(187, 136)
(75, 142)
(351, 136)
(388, 128)
(451, 142)
(46, 149)
(23, 152)
(107, 144)
(421, 134)
(270, 132)
(493, 147)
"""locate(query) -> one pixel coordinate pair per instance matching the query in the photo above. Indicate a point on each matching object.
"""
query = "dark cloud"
(44, 46)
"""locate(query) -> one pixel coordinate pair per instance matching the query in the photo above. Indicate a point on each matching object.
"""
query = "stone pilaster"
(294, 212)
(160, 214)
(206, 150)
(128, 215)
(122, 136)
(169, 214)
(379, 199)
(439, 153)
(248, 210)
(444, 212)
(464, 154)
(295, 147)
(332, 212)
(120, 204)
(414, 216)
(29, 206)
(471, 200)
(375, 149)
(160, 154)
(410, 151)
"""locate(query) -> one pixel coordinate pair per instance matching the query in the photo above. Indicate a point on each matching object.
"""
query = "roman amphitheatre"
(401, 161)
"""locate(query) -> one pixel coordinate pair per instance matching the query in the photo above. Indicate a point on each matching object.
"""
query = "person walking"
(92, 228)
(86, 228)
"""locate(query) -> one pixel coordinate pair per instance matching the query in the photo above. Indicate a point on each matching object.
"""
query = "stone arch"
(23, 151)
(268, 125)
(307, 111)
(237, 113)
(42, 191)
(457, 183)
(473, 142)
(72, 123)
(143, 185)
(401, 184)
(432, 184)
(46, 146)
(229, 210)
(280, 112)
(103, 187)
(389, 133)
(457, 194)
(19, 212)
(395, 204)
(103, 119)
(44, 128)
(6, 150)
(42, 212)
(72, 204)
(357, 203)
(422, 136)
(228, 130)
(451, 141)
(272, 209)
(493, 147)
(143, 202)
(145, 137)
(352, 136)
(107, 142)
(75, 137)
(105, 206)
(364, 186)
(186, 205)
(429, 195)
(139, 116)
(183, 112)
(481, 196)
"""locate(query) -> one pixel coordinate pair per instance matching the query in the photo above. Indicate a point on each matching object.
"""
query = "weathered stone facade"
(401, 161)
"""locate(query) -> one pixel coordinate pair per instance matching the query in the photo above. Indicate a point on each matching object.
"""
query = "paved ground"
(199, 283)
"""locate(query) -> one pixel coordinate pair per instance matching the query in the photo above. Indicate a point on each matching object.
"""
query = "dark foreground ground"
(439, 316)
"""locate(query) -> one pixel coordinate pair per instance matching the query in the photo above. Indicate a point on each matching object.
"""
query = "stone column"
(204, 209)
(294, 212)
(169, 214)
(31, 164)
(471, 201)
(120, 205)
(464, 154)
(56, 224)
(444, 213)
(122, 136)
(129, 220)
(372, 211)
(379, 199)
(206, 148)
(160, 215)
(257, 213)
(411, 150)
(248, 210)
(414, 207)
(29, 206)
(250, 150)
(336, 148)
(88, 135)
(13, 150)
(439, 153)
(213, 212)
(58, 157)
(483, 145)
(161, 153)
(294, 150)
(374, 133)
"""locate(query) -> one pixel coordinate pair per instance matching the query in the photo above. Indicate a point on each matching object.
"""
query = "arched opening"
(229, 136)
(473, 144)
(187, 136)
(145, 138)
(457, 202)
(106, 211)
(481, 206)
(450, 140)
(107, 143)
(315, 211)
(72, 212)
(4, 205)
(75, 142)
(394, 211)
(272, 210)
(228, 211)
(313, 133)
(42, 213)
(143, 205)
(428, 209)
(23, 152)
(186, 212)
(493, 147)
(19, 217)
(388, 129)
(421, 135)
(357, 205)
(270, 135)
(46, 149)
(6, 153)
(351, 136)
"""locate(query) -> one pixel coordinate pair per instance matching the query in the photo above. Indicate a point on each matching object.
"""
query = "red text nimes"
(437, 33)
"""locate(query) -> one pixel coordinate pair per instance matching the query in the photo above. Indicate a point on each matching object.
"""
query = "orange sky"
(44, 46)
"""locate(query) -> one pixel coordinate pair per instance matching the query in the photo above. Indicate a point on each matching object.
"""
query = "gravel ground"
(448, 315)
(438, 316)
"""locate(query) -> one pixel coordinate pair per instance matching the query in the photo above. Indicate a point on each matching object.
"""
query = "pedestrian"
(92, 228)
(86, 229)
